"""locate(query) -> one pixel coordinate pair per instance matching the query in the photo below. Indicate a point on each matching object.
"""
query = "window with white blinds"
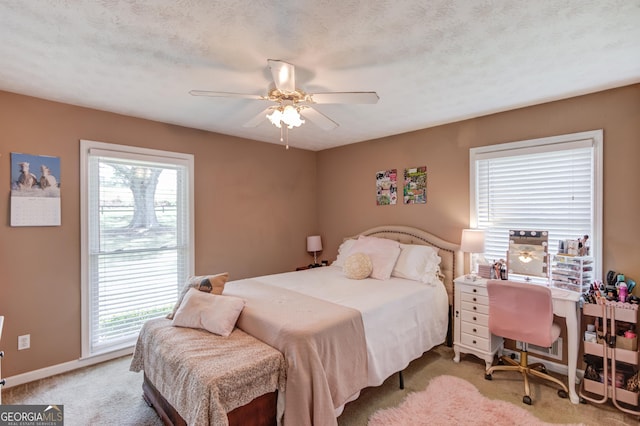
(551, 184)
(137, 239)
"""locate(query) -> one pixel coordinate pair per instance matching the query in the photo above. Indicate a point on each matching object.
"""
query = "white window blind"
(550, 184)
(138, 241)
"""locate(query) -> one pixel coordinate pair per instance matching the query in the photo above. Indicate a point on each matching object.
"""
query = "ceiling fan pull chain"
(287, 135)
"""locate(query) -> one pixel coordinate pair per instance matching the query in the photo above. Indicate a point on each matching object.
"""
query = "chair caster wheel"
(543, 369)
(513, 356)
(487, 377)
(582, 400)
(526, 399)
(563, 394)
(500, 361)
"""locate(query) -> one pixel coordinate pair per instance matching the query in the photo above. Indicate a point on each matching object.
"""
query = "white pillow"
(216, 314)
(418, 263)
(213, 284)
(383, 254)
(358, 266)
(343, 252)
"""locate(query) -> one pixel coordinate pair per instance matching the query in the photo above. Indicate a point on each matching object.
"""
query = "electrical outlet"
(24, 342)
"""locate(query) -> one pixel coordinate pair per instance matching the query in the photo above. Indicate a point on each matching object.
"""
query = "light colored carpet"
(109, 394)
(450, 400)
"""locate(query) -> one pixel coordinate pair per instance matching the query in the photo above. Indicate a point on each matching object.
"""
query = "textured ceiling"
(430, 61)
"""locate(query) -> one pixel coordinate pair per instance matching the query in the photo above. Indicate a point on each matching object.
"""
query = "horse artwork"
(47, 180)
(23, 176)
(26, 179)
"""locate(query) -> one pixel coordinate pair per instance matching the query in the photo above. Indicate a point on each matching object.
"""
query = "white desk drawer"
(475, 342)
(475, 308)
(475, 329)
(474, 298)
(475, 318)
(482, 291)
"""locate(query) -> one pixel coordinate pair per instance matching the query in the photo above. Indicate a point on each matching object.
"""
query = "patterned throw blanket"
(323, 344)
(204, 376)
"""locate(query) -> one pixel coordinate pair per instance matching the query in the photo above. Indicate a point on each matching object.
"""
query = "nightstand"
(471, 320)
(317, 265)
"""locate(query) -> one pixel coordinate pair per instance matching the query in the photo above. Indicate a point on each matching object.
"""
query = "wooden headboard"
(451, 264)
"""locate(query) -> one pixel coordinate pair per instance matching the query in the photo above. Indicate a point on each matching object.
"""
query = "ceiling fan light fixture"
(525, 257)
(275, 117)
(288, 114)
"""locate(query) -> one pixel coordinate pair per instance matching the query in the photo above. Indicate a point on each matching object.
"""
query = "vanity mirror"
(528, 254)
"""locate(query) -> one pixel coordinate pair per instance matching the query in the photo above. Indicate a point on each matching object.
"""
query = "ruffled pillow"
(418, 263)
(343, 252)
(357, 266)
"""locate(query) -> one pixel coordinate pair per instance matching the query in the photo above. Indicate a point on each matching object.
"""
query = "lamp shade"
(314, 243)
(472, 241)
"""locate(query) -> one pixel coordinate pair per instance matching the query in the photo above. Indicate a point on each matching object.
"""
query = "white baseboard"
(43, 373)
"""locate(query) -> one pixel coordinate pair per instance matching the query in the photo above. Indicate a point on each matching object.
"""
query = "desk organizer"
(572, 272)
(617, 357)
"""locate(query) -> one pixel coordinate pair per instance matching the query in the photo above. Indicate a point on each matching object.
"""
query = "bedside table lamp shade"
(314, 244)
(472, 242)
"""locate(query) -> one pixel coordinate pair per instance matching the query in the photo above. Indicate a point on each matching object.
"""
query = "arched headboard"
(451, 264)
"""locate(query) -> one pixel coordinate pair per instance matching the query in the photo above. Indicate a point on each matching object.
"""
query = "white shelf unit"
(573, 273)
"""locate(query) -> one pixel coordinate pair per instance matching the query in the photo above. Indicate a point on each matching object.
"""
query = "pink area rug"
(450, 400)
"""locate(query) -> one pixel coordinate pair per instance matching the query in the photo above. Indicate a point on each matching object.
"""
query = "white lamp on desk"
(472, 242)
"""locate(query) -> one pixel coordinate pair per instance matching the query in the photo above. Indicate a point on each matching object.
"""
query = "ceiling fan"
(290, 104)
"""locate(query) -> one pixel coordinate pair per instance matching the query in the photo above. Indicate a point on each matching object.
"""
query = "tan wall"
(255, 205)
(256, 202)
(346, 175)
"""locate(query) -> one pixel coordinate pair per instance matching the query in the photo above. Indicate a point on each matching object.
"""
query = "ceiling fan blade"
(318, 118)
(284, 75)
(261, 116)
(345, 98)
(224, 94)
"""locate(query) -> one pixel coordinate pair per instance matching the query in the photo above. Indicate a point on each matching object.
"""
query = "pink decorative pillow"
(382, 252)
(216, 314)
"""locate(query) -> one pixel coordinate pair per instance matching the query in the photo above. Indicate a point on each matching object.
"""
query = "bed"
(339, 335)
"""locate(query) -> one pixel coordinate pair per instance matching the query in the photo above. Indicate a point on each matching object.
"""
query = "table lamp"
(473, 243)
(314, 244)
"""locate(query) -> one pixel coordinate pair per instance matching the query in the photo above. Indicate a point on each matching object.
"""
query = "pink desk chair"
(523, 312)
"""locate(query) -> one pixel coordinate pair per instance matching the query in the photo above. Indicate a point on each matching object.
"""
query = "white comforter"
(402, 318)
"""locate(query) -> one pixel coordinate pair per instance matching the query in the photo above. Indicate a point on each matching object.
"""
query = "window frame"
(86, 146)
(548, 144)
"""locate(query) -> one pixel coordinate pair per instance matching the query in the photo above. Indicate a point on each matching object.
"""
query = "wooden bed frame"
(259, 412)
(262, 410)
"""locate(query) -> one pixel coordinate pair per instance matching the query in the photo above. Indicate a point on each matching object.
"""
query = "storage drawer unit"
(471, 321)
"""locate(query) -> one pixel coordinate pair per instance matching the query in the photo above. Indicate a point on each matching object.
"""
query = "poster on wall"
(35, 190)
(415, 185)
(386, 187)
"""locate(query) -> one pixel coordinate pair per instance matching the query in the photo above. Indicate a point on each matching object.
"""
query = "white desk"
(565, 304)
